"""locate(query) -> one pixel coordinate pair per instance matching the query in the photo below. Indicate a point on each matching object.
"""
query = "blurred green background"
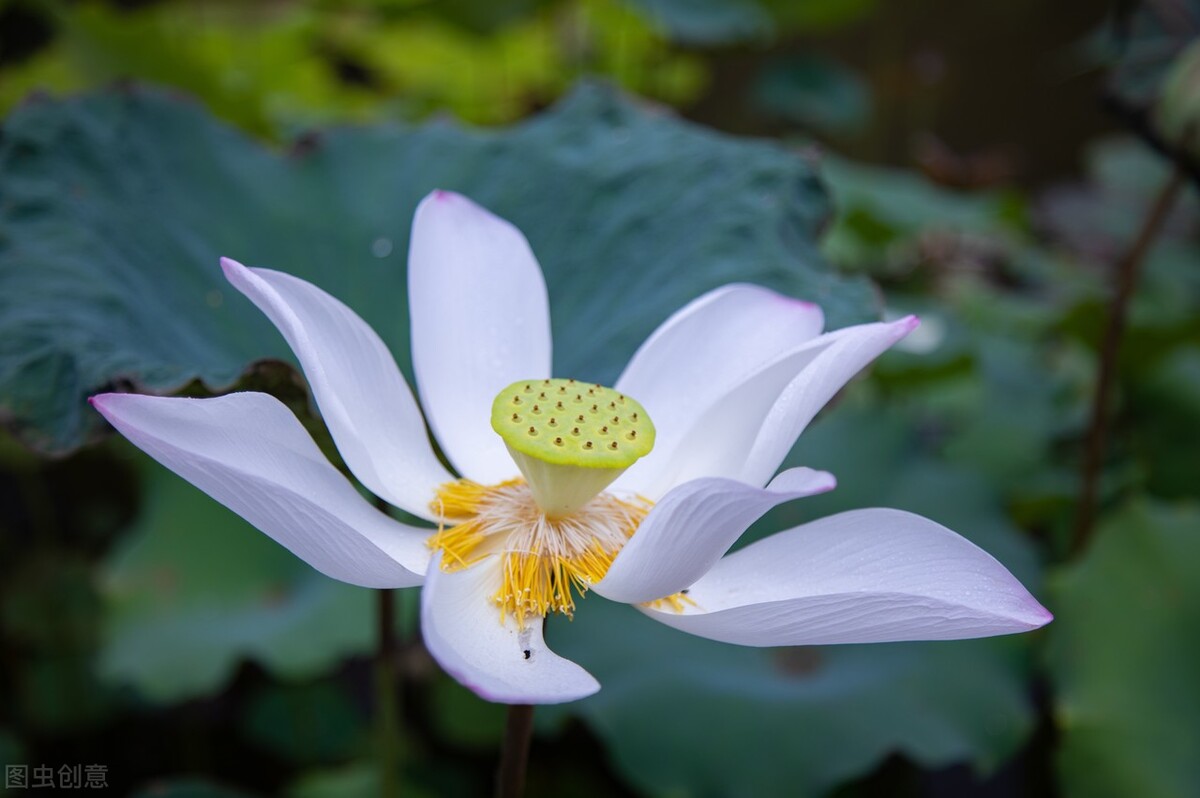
(986, 165)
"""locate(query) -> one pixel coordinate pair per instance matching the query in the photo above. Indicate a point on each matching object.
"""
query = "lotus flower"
(636, 492)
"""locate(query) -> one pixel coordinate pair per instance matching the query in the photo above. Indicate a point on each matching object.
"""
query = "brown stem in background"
(1128, 270)
(514, 752)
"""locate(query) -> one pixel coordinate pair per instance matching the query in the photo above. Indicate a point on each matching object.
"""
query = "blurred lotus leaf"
(59, 692)
(307, 723)
(462, 718)
(1166, 440)
(708, 22)
(887, 219)
(1124, 655)
(815, 93)
(359, 780)
(115, 207)
(51, 604)
(193, 589)
(50, 610)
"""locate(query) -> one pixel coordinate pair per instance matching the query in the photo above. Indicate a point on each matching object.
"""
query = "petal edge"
(862, 576)
(689, 530)
(464, 632)
(480, 321)
(364, 400)
(249, 452)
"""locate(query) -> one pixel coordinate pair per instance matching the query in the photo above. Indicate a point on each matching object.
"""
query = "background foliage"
(959, 159)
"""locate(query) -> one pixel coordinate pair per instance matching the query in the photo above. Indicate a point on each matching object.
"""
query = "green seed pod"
(566, 422)
(570, 439)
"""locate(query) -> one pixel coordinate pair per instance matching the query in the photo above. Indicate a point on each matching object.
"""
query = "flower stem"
(514, 752)
(1128, 270)
(385, 693)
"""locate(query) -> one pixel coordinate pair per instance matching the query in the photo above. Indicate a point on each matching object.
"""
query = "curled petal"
(805, 395)
(249, 452)
(480, 321)
(746, 432)
(464, 631)
(702, 351)
(691, 529)
(866, 576)
(367, 405)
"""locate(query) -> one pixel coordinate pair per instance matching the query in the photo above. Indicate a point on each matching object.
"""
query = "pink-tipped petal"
(691, 529)
(745, 433)
(249, 452)
(704, 349)
(480, 321)
(805, 395)
(363, 397)
(865, 576)
(498, 661)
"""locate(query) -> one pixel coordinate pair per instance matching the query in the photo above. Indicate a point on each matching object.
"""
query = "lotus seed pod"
(566, 422)
(570, 439)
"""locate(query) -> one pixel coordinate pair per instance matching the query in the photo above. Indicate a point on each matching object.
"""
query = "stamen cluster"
(545, 560)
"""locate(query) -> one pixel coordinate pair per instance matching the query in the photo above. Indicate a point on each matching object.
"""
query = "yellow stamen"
(458, 544)
(676, 602)
(545, 561)
(463, 498)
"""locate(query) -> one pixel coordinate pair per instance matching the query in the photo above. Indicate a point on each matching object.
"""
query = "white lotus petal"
(480, 321)
(746, 433)
(691, 529)
(462, 627)
(804, 396)
(249, 452)
(701, 352)
(367, 405)
(864, 576)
